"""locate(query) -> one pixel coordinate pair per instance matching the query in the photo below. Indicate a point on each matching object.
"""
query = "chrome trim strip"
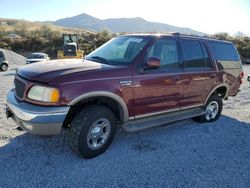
(156, 75)
(165, 111)
(131, 118)
(171, 74)
(157, 113)
(104, 94)
(98, 79)
(135, 76)
(192, 106)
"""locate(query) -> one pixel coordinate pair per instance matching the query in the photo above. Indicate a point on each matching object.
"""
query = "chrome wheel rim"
(212, 110)
(98, 133)
(4, 67)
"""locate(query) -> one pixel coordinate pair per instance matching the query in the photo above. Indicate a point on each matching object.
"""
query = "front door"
(159, 90)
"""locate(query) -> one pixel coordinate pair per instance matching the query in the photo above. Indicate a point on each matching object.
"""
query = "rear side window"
(195, 54)
(224, 51)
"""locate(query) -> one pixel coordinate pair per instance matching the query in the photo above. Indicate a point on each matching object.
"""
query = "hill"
(129, 25)
(11, 25)
(82, 21)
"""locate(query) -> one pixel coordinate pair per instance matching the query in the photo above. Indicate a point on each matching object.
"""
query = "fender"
(214, 89)
(110, 95)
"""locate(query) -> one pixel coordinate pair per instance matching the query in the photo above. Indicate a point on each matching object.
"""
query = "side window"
(167, 51)
(195, 54)
(224, 51)
(1, 54)
(2, 57)
(206, 57)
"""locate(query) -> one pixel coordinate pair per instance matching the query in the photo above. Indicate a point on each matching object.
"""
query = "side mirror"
(153, 63)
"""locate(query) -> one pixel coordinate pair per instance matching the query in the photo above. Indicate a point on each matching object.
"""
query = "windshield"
(119, 51)
(36, 56)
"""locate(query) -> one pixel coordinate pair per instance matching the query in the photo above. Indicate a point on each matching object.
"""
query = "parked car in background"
(37, 57)
(3, 63)
(133, 81)
(247, 61)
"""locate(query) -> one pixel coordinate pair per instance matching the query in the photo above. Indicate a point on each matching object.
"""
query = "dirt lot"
(182, 154)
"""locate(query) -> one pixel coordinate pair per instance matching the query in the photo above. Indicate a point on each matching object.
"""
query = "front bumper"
(38, 120)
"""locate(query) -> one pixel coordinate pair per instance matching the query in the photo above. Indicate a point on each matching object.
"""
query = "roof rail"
(176, 33)
(188, 35)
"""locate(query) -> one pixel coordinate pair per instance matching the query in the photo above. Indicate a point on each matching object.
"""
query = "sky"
(208, 16)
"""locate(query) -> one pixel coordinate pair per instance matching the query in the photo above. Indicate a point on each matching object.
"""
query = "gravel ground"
(182, 154)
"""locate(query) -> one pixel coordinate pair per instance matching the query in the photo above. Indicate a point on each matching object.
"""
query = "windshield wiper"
(103, 60)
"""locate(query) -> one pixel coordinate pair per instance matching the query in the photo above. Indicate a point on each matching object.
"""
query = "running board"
(158, 120)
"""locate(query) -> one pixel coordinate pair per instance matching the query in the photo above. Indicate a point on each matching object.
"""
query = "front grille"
(19, 88)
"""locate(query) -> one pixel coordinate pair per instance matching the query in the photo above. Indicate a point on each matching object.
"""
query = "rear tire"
(212, 109)
(4, 67)
(92, 130)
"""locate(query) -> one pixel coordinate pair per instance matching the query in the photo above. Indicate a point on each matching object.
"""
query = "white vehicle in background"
(3, 63)
(37, 57)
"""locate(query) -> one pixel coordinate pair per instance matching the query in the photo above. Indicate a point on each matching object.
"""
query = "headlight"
(44, 94)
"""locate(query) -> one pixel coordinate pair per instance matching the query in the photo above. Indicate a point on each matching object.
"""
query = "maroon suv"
(132, 81)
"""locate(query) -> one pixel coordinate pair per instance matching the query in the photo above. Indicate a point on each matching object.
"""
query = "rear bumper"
(38, 120)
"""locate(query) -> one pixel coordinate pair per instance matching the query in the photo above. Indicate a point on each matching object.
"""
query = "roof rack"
(188, 35)
(175, 33)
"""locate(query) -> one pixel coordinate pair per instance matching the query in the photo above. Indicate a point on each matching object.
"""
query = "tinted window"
(195, 54)
(167, 51)
(1, 54)
(206, 57)
(224, 52)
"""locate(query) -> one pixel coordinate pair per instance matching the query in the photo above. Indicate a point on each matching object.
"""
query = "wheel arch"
(221, 90)
(111, 100)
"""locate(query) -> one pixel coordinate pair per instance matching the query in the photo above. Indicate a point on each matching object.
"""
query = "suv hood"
(50, 70)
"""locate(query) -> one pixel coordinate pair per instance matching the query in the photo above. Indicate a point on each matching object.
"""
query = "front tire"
(212, 109)
(92, 131)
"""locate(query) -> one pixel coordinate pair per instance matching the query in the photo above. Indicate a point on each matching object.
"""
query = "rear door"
(200, 73)
(159, 90)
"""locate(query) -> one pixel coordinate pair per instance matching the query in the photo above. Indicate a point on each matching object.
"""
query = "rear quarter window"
(224, 52)
(226, 55)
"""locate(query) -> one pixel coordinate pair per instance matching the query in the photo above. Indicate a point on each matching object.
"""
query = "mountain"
(141, 25)
(13, 24)
(129, 25)
(82, 21)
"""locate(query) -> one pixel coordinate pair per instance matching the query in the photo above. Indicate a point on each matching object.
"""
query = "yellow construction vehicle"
(70, 48)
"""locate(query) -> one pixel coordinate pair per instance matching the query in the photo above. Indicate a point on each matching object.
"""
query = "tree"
(2, 29)
(22, 29)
